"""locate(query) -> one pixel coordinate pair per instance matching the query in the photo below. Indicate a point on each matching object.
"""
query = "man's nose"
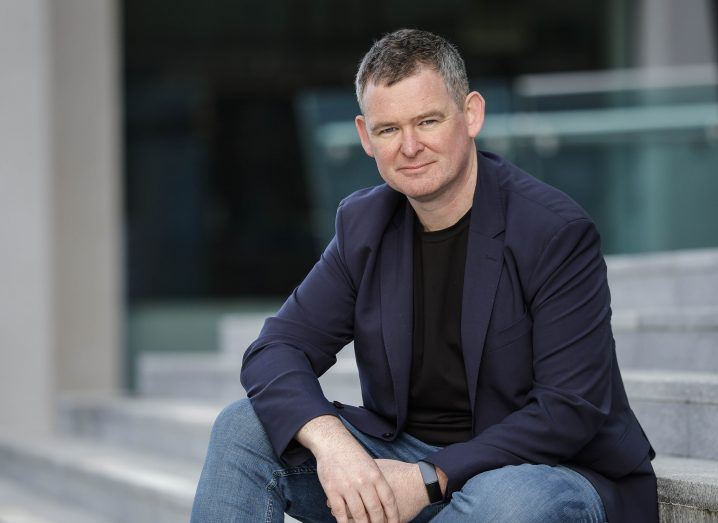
(410, 146)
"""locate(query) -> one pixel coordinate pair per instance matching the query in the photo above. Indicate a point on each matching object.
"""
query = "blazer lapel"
(397, 309)
(484, 260)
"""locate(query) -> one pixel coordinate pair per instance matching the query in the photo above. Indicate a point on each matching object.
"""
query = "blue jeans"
(244, 481)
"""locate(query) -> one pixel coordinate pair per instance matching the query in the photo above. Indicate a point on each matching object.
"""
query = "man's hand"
(408, 486)
(351, 479)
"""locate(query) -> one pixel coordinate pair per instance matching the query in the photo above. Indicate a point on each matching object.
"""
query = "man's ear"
(360, 123)
(474, 113)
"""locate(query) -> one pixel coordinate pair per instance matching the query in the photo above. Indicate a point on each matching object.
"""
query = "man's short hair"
(402, 53)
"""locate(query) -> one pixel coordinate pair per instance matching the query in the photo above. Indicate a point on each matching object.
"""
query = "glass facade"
(222, 177)
(638, 149)
(240, 139)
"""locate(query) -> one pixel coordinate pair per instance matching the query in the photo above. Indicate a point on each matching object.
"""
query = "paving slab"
(18, 504)
(687, 490)
(675, 339)
(115, 484)
(171, 428)
(678, 410)
(126, 487)
(664, 279)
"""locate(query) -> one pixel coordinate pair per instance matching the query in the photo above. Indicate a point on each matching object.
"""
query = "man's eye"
(387, 130)
(426, 123)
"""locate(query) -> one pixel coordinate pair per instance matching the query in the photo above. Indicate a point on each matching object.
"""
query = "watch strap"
(431, 481)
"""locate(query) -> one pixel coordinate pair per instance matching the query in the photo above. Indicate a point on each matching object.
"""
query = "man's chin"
(422, 194)
(421, 197)
(418, 192)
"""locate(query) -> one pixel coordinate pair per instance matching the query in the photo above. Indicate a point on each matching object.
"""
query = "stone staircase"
(137, 459)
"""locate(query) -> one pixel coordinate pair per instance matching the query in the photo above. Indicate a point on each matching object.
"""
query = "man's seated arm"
(279, 372)
(351, 479)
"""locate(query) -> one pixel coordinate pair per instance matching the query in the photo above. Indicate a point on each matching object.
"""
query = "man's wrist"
(443, 480)
(320, 432)
(430, 478)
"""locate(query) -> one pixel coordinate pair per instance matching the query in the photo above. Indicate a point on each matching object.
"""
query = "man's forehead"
(420, 92)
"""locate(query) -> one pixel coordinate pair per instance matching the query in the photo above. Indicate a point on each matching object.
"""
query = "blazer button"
(387, 435)
(337, 404)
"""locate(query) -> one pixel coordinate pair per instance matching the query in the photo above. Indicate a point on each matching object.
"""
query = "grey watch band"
(431, 481)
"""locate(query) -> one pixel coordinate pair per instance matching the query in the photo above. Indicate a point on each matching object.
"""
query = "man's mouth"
(414, 167)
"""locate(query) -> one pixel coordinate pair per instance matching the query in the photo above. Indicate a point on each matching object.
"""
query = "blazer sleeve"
(572, 361)
(280, 369)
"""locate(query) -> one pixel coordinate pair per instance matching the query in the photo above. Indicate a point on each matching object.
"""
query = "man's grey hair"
(402, 53)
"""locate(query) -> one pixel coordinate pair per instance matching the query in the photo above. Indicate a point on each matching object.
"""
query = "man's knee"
(235, 414)
(239, 464)
(529, 493)
(237, 425)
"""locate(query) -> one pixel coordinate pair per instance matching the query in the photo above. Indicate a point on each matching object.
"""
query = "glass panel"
(638, 149)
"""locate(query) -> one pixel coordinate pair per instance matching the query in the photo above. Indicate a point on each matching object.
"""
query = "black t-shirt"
(439, 409)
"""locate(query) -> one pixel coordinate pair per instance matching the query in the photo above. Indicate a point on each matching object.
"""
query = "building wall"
(60, 306)
(87, 187)
(26, 318)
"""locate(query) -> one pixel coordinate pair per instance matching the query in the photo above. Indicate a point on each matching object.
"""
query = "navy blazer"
(539, 354)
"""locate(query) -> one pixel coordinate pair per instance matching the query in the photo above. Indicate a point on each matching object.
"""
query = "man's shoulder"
(375, 198)
(531, 203)
(367, 212)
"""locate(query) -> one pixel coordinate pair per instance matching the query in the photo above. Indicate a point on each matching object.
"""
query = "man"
(477, 300)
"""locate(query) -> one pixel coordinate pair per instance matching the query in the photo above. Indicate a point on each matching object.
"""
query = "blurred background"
(170, 170)
(239, 139)
(167, 162)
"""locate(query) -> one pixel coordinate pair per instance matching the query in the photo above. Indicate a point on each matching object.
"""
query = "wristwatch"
(431, 481)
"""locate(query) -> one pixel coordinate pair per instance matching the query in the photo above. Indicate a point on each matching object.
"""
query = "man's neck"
(446, 211)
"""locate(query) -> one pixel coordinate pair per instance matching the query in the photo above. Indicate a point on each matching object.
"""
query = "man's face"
(422, 142)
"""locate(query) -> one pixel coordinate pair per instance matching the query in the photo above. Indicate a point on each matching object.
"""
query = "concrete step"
(687, 490)
(664, 279)
(165, 427)
(203, 377)
(125, 487)
(20, 505)
(677, 410)
(115, 484)
(676, 339)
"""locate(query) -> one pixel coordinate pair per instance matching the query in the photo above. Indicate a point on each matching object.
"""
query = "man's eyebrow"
(429, 114)
(423, 116)
(381, 125)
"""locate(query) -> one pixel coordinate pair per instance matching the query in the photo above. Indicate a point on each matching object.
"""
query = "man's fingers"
(373, 505)
(338, 509)
(388, 501)
(356, 508)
